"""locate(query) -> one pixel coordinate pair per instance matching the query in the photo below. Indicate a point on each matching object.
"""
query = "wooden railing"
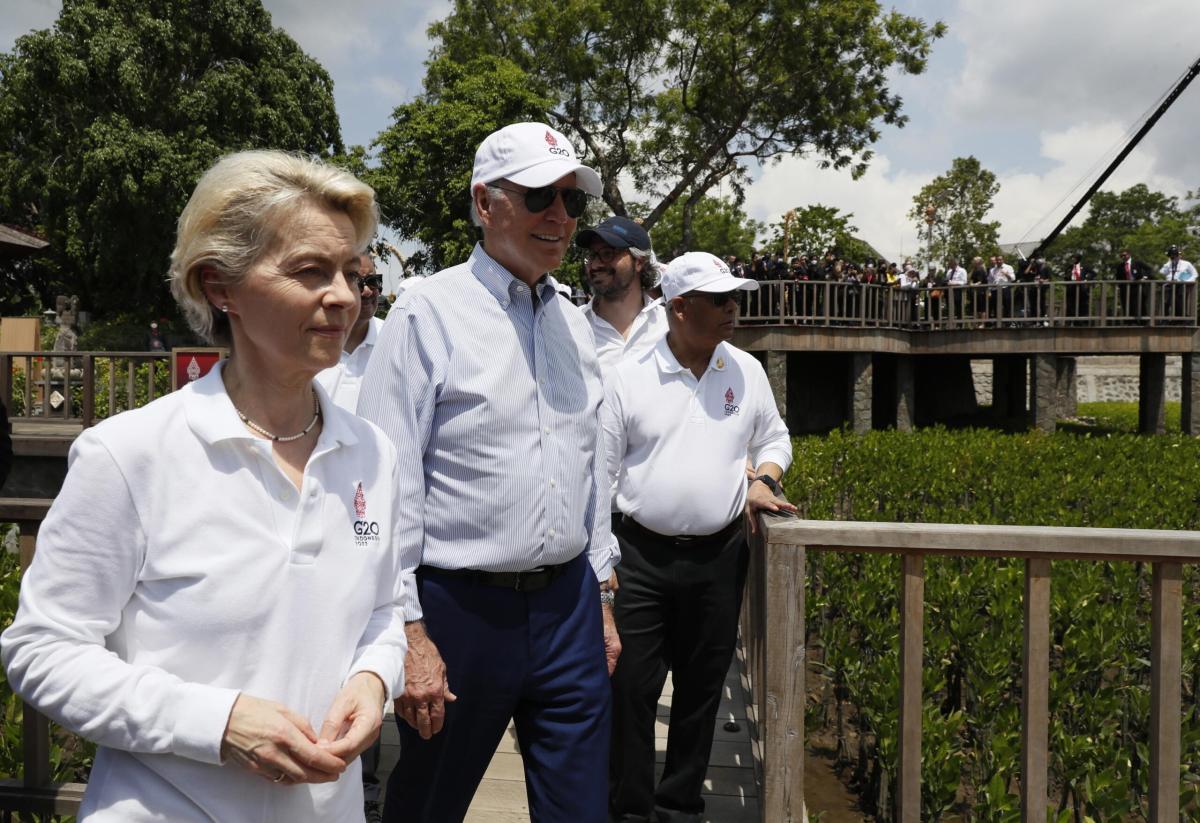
(773, 634)
(79, 387)
(34, 793)
(1098, 304)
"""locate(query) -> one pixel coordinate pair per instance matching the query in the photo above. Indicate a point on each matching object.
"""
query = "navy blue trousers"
(534, 657)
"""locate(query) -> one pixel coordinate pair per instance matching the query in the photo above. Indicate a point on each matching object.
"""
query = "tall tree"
(676, 96)
(816, 229)
(949, 212)
(423, 179)
(108, 119)
(1142, 220)
(719, 226)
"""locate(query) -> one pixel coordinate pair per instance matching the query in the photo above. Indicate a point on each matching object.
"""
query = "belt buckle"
(521, 577)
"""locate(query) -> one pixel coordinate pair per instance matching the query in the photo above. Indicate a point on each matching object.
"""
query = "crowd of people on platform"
(934, 294)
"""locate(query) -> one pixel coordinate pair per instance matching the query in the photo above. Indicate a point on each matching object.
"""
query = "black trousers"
(676, 608)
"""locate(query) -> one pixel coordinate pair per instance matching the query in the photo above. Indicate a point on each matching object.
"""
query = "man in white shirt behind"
(1178, 271)
(344, 381)
(621, 270)
(678, 424)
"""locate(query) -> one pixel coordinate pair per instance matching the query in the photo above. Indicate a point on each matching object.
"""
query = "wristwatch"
(607, 597)
(772, 484)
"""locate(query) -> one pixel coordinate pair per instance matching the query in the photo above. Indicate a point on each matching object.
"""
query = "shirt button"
(312, 495)
(550, 533)
(553, 483)
(546, 429)
(284, 494)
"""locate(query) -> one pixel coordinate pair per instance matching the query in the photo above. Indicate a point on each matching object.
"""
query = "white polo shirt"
(647, 329)
(677, 446)
(343, 382)
(178, 567)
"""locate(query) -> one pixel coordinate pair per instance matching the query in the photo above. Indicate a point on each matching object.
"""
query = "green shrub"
(1099, 689)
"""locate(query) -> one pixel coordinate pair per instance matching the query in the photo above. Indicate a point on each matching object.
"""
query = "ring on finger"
(280, 777)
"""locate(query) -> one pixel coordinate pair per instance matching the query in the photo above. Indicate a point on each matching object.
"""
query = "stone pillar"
(1152, 406)
(1044, 392)
(859, 405)
(906, 393)
(1189, 389)
(776, 368)
(1068, 388)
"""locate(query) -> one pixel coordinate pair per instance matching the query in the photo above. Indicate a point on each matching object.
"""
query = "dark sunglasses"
(605, 255)
(718, 299)
(538, 200)
(373, 281)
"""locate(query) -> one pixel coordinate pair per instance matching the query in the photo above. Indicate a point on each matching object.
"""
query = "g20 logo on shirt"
(366, 532)
(730, 407)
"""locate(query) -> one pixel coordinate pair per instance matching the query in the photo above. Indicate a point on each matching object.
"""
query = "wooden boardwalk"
(730, 794)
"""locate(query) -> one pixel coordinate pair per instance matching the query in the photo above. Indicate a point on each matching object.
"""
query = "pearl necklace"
(278, 438)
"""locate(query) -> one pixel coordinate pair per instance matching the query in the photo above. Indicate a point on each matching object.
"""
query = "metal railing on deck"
(34, 793)
(773, 635)
(1094, 304)
(79, 387)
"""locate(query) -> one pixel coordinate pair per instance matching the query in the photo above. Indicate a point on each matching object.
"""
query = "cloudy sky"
(1041, 91)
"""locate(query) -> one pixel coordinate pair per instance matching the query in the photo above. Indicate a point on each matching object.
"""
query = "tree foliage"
(1144, 221)
(949, 213)
(816, 229)
(719, 226)
(676, 96)
(423, 179)
(108, 119)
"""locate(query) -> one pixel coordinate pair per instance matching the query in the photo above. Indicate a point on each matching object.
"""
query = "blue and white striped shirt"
(495, 411)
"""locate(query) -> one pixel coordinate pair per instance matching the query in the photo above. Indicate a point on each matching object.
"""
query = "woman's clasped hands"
(269, 739)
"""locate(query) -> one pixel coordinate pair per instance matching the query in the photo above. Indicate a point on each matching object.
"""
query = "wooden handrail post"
(783, 715)
(1035, 703)
(35, 729)
(6, 382)
(1166, 717)
(89, 390)
(912, 615)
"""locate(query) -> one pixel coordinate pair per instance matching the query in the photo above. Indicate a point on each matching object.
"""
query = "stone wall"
(1098, 379)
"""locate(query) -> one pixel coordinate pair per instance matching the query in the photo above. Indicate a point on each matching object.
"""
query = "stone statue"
(67, 338)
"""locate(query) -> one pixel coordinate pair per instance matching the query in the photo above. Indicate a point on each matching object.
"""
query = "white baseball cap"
(532, 155)
(701, 271)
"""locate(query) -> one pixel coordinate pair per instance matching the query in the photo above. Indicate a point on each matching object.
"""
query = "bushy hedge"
(1100, 636)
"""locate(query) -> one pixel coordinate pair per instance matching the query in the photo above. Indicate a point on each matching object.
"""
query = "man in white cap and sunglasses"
(679, 422)
(487, 381)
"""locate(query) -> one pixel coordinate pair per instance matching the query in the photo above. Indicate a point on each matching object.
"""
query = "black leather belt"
(631, 525)
(529, 581)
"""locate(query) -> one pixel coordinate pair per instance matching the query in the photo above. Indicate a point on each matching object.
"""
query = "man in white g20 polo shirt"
(344, 381)
(679, 422)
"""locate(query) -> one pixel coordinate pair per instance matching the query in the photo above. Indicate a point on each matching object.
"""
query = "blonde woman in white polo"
(215, 597)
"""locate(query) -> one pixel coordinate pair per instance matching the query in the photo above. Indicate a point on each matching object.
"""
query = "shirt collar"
(211, 414)
(499, 280)
(669, 364)
(648, 303)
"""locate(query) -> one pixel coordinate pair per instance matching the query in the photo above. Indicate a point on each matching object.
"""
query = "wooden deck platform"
(730, 794)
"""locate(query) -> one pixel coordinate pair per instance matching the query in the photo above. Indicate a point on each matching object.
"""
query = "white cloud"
(22, 16)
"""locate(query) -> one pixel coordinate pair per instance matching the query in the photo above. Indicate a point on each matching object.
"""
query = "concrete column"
(859, 405)
(906, 393)
(1152, 406)
(1044, 392)
(776, 368)
(1068, 388)
(1189, 388)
